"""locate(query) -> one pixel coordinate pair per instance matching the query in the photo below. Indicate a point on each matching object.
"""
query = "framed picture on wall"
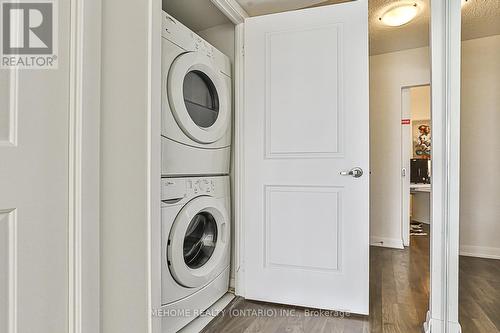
(422, 139)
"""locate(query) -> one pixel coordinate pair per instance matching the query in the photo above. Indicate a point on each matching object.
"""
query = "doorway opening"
(416, 149)
(400, 80)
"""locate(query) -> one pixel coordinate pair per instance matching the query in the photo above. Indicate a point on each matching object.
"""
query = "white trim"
(83, 160)
(154, 163)
(239, 153)
(395, 243)
(421, 220)
(232, 10)
(75, 169)
(445, 55)
(198, 324)
(480, 251)
(13, 254)
(432, 325)
(404, 203)
(405, 181)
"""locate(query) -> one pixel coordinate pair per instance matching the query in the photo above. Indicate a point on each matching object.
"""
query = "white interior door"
(306, 226)
(34, 201)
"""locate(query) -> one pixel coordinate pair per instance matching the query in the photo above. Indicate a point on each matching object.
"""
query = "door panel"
(34, 159)
(306, 120)
(296, 122)
(290, 247)
(8, 93)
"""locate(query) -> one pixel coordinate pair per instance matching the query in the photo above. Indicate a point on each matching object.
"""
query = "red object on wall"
(405, 121)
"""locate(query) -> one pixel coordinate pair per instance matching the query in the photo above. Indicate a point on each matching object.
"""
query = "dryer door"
(197, 249)
(201, 103)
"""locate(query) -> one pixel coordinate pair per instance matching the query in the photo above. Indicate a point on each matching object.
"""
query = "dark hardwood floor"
(399, 293)
(479, 295)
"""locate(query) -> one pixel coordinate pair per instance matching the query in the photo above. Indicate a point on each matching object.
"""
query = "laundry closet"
(196, 148)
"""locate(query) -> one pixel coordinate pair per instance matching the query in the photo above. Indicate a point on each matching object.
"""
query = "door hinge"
(403, 172)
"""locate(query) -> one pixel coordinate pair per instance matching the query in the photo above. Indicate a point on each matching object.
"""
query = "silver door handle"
(355, 172)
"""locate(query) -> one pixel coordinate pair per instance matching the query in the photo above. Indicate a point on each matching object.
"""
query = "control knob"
(204, 185)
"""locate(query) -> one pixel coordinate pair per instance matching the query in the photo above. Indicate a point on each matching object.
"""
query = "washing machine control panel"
(174, 190)
(201, 186)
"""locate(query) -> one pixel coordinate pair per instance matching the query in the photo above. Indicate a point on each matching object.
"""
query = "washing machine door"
(197, 248)
(200, 104)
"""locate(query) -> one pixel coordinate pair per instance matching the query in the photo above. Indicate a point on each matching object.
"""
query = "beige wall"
(480, 142)
(388, 74)
(420, 103)
(126, 154)
(223, 38)
(480, 148)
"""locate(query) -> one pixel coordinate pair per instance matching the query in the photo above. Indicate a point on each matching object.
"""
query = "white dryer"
(196, 104)
(195, 247)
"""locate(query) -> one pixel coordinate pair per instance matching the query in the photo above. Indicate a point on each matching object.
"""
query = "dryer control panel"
(174, 190)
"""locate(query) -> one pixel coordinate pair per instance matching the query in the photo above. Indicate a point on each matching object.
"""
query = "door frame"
(237, 15)
(405, 188)
(84, 173)
(405, 175)
(445, 42)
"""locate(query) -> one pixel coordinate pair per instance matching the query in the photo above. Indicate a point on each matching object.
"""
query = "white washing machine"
(196, 104)
(195, 217)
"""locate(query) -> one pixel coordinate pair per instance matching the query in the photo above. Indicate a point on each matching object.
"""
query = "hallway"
(399, 292)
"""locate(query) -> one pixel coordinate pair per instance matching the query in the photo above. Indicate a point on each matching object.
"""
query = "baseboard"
(422, 221)
(480, 251)
(232, 282)
(394, 243)
(433, 325)
(199, 323)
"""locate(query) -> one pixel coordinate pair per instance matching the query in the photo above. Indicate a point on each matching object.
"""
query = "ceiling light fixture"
(399, 15)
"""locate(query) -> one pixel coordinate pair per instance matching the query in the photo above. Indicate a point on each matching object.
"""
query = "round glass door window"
(201, 98)
(200, 240)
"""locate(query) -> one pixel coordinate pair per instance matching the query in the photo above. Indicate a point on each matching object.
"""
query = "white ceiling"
(480, 18)
(197, 15)
(385, 39)
(262, 7)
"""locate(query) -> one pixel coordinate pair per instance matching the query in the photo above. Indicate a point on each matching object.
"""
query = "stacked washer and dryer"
(195, 192)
